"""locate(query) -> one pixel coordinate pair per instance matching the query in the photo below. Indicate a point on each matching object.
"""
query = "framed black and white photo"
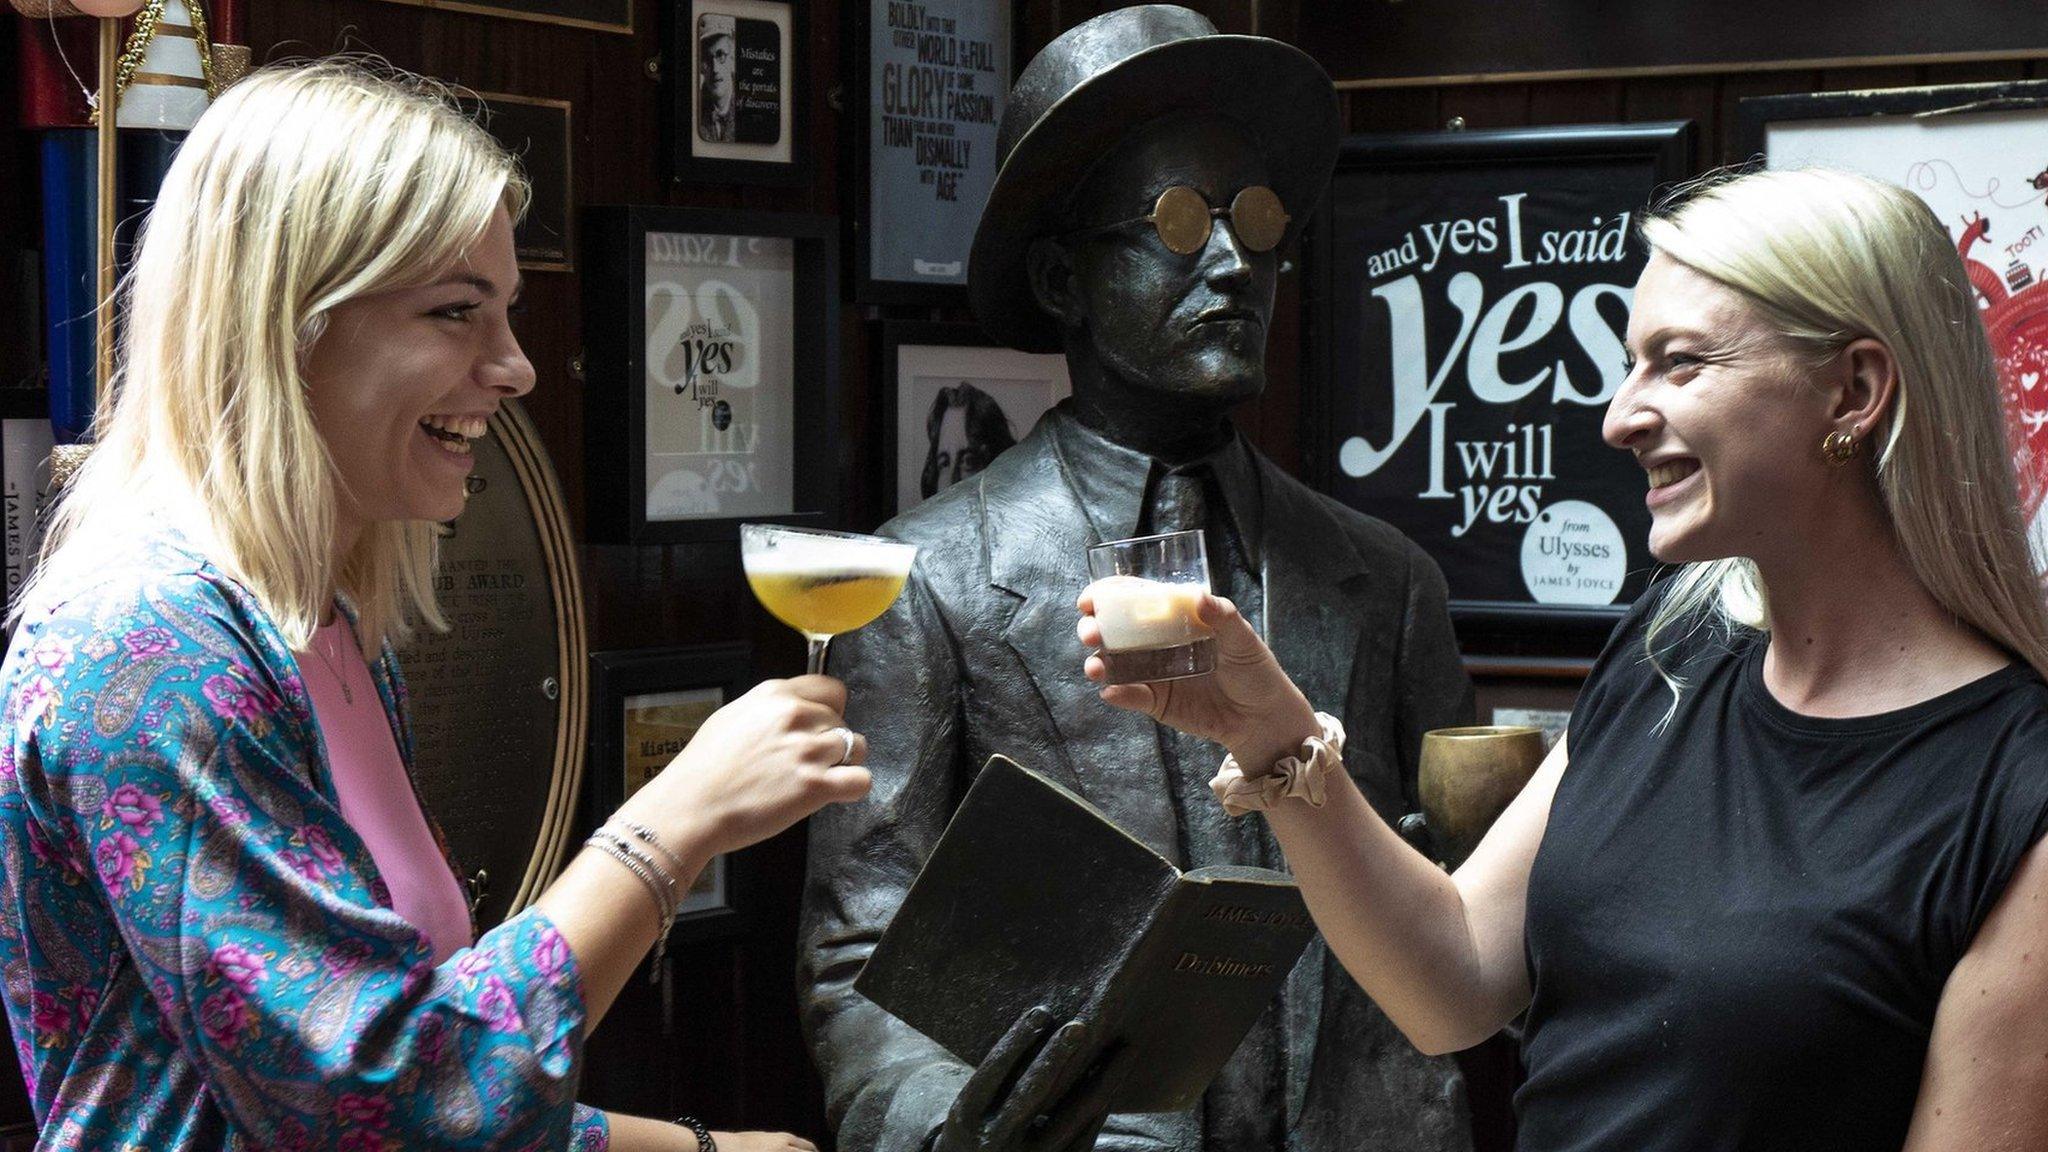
(601, 15)
(711, 370)
(954, 401)
(648, 705)
(537, 131)
(1467, 296)
(926, 86)
(737, 113)
(1974, 153)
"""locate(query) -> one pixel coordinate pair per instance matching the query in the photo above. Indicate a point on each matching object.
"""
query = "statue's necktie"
(1180, 500)
(1244, 1107)
(1189, 498)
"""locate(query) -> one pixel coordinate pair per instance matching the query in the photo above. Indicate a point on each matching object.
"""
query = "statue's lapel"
(1315, 580)
(1038, 535)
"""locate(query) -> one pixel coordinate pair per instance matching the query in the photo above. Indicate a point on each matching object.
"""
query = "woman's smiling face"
(1719, 410)
(401, 381)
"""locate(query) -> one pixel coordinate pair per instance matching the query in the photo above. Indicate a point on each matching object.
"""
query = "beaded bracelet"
(646, 835)
(615, 843)
(703, 1133)
(650, 878)
(668, 879)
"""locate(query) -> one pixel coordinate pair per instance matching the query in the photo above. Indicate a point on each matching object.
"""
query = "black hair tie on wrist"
(704, 1141)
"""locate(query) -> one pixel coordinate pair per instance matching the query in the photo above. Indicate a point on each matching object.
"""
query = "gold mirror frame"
(482, 693)
(551, 516)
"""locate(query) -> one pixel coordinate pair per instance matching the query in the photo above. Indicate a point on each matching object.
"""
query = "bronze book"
(1034, 897)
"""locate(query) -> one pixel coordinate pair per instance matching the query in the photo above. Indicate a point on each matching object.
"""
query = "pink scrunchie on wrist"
(1299, 776)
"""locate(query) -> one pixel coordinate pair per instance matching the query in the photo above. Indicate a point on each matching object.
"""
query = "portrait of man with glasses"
(717, 104)
(1153, 174)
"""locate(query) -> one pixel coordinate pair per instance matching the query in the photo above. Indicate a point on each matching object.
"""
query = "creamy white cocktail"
(1148, 594)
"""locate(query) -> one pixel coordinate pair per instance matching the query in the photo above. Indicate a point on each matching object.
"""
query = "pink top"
(376, 794)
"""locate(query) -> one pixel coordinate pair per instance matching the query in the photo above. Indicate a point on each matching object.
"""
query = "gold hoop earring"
(1838, 448)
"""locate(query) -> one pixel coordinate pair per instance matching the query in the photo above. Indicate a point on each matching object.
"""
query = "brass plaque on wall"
(499, 701)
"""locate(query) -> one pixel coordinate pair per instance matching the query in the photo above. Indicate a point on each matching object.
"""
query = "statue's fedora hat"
(1095, 83)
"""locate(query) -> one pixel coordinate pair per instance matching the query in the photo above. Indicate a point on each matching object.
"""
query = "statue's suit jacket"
(979, 656)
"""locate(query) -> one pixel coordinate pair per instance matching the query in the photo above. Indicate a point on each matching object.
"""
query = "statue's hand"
(1057, 1103)
(1247, 704)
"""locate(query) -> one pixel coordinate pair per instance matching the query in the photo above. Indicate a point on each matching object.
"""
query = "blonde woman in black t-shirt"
(1790, 891)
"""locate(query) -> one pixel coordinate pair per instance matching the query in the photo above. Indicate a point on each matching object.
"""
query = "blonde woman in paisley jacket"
(205, 942)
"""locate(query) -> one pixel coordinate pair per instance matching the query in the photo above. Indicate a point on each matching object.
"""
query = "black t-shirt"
(1739, 927)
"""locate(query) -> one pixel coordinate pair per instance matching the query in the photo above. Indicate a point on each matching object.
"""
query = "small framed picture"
(537, 131)
(649, 704)
(1536, 692)
(927, 85)
(956, 401)
(735, 112)
(712, 369)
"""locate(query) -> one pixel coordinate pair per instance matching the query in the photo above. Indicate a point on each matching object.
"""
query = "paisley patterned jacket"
(197, 951)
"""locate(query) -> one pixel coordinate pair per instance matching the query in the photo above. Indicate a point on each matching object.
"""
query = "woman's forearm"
(638, 1134)
(1396, 922)
(609, 920)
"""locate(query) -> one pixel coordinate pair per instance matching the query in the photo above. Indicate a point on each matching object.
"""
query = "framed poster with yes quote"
(1467, 296)
(712, 371)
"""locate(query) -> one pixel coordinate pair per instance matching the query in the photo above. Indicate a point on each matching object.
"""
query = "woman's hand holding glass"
(757, 766)
(1247, 704)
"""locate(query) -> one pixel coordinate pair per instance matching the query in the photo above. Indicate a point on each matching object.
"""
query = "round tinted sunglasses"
(1184, 219)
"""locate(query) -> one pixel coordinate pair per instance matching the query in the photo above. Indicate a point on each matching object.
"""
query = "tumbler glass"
(1148, 592)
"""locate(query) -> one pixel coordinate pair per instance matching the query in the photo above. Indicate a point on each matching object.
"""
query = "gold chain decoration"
(138, 46)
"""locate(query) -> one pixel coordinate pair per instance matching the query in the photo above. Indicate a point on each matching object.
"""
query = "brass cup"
(1468, 776)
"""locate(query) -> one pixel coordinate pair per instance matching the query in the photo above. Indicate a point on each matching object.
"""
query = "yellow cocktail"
(825, 602)
(823, 583)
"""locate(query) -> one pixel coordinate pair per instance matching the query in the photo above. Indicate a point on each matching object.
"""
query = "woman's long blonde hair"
(1827, 258)
(302, 188)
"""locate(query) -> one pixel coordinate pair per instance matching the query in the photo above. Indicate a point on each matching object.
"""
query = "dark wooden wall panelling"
(1708, 99)
(731, 1051)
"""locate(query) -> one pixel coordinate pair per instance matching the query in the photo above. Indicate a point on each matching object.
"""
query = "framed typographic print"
(1467, 295)
(537, 131)
(735, 69)
(1976, 154)
(927, 84)
(953, 401)
(711, 371)
(649, 704)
